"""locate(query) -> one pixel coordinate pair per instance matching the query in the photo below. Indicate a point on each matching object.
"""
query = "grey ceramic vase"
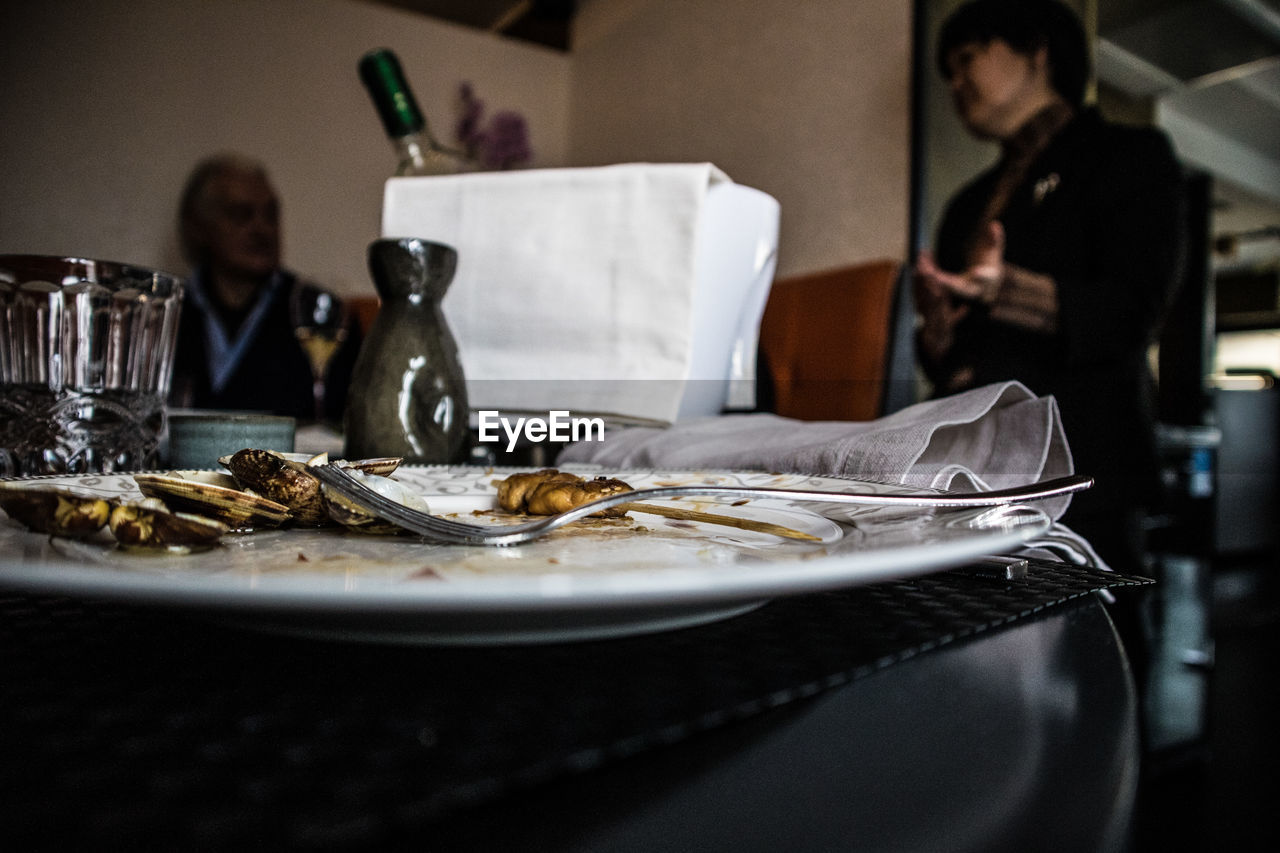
(408, 395)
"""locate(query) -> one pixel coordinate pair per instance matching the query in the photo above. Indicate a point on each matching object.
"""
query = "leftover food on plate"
(185, 510)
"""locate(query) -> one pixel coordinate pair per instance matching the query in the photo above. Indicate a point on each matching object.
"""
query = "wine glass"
(320, 324)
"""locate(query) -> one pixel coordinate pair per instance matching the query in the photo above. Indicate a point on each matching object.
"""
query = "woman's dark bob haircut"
(1026, 26)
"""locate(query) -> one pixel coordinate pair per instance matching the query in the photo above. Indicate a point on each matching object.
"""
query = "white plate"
(614, 579)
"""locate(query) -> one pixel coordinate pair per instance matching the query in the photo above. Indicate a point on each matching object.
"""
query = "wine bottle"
(416, 149)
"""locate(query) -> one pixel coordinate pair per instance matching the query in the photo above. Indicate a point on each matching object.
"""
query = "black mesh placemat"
(152, 728)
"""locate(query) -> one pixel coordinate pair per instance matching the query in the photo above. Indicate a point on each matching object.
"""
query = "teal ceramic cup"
(199, 439)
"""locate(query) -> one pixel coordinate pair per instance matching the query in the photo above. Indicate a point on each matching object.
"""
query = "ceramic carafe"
(408, 395)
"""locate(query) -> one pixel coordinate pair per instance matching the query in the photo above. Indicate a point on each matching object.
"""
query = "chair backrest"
(365, 310)
(825, 338)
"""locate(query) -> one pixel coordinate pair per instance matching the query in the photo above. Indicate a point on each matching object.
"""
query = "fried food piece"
(549, 491)
(514, 491)
(552, 497)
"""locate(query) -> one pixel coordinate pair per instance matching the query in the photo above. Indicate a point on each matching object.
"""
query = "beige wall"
(807, 100)
(106, 105)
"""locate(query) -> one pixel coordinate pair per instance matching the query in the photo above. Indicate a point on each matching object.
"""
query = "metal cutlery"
(450, 531)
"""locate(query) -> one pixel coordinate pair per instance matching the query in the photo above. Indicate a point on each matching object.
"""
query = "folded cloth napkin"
(575, 288)
(988, 438)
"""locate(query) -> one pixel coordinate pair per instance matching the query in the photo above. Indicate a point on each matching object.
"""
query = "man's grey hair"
(193, 208)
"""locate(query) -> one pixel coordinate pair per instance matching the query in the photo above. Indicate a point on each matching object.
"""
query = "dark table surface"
(955, 711)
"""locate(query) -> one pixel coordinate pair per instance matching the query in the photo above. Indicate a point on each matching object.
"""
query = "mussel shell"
(271, 475)
(298, 458)
(225, 461)
(150, 524)
(215, 496)
(57, 510)
(382, 465)
(342, 510)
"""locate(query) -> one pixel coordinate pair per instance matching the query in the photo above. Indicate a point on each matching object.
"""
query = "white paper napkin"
(987, 438)
(574, 288)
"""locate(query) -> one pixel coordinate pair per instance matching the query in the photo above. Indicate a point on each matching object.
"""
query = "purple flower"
(471, 110)
(503, 144)
(506, 142)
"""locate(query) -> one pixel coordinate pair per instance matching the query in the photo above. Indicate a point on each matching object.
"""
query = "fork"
(448, 531)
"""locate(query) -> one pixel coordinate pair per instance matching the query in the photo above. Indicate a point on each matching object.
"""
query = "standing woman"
(1054, 267)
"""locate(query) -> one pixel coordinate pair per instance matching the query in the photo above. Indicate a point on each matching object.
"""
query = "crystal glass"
(320, 324)
(86, 355)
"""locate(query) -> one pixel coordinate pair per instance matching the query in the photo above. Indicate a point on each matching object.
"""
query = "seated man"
(237, 345)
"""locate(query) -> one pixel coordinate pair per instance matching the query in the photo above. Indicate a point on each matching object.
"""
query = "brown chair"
(825, 340)
(364, 309)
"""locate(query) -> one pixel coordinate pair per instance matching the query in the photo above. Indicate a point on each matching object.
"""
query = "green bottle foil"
(381, 74)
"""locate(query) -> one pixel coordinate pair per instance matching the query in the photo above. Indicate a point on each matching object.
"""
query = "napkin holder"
(515, 249)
